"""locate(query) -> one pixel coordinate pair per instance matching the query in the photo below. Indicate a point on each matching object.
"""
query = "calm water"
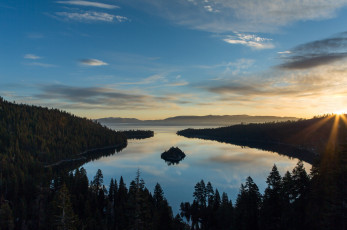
(226, 166)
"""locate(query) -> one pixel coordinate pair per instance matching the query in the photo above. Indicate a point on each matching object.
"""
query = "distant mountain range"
(210, 120)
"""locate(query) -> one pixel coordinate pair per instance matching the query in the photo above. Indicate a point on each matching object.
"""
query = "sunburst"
(336, 120)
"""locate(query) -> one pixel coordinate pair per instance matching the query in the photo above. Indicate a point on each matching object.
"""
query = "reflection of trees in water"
(172, 162)
(87, 156)
(279, 148)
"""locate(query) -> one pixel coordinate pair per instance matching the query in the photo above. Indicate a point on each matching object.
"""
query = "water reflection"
(225, 165)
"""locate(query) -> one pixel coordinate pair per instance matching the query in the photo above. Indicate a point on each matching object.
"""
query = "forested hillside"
(312, 135)
(31, 137)
(48, 135)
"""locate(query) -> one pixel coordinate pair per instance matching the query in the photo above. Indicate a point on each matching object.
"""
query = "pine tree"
(247, 206)
(158, 195)
(300, 191)
(63, 215)
(200, 193)
(98, 181)
(209, 193)
(111, 191)
(272, 206)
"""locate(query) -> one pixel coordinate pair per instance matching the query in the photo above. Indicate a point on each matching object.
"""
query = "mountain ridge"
(198, 120)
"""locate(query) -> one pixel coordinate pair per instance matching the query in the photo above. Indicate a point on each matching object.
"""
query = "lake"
(226, 166)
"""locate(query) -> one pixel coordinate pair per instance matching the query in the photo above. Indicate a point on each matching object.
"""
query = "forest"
(34, 195)
(304, 139)
(33, 137)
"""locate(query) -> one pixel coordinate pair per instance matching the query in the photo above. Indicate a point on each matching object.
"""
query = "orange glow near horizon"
(311, 129)
(333, 133)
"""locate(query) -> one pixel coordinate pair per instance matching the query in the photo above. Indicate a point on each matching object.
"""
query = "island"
(173, 156)
(138, 134)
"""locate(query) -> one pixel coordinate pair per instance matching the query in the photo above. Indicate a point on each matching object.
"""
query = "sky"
(152, 59)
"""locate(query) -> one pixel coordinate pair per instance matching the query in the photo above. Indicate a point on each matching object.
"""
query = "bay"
(226, 166)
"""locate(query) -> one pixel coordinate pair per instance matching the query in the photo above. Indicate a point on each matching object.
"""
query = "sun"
(340, 112)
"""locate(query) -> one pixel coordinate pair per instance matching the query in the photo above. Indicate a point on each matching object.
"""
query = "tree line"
(72, 202)
(315, 201)
(304, 139)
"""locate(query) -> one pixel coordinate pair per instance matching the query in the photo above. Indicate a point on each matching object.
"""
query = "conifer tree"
(63, 215)
(247, 206)
(272, 205)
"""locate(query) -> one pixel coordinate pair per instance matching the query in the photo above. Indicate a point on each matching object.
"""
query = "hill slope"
(49, 135)
(31, 137)
(311, 136)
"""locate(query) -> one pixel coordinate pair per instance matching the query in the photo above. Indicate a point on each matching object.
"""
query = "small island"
(173, 156)
(138, 134)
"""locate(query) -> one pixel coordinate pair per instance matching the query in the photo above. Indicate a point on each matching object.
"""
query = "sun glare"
(340, 112)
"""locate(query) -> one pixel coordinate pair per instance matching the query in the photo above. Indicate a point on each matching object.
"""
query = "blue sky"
(157, 58)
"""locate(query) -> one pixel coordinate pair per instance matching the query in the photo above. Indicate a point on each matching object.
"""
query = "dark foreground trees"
(295, 201)
(72, 202)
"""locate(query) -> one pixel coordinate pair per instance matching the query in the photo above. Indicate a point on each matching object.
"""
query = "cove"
(225, 165)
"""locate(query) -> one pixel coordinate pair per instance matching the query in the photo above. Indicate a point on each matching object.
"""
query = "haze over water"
(226, 166)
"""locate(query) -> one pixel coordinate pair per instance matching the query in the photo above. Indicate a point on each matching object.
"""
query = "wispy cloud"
(316, 53)
(237, 67)
(88, 3)
(92, 62)
(180, 83)
(284, 52)
(322, 88)
(105, 98)
(145, 81)
(90, 16)
(153, 78)
(249, 40)
(32, 56)
(209, 8)
(236, 15)
(121, 18)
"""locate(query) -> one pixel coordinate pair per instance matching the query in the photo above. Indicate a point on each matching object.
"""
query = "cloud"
(180, 83)
(315, 90)
(210, 9)
(31, 56)
(93, 62)
(87, 16)
(252, 41)
(311, 74)
(238, 67)
(224, 16)
(153, 78)
(88, 3)
(103, 98)
(148, 80)
(284, 52)
(316, 53)
(313, 60)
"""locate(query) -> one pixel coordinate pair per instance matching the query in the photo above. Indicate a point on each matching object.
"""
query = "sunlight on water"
(226, 166)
